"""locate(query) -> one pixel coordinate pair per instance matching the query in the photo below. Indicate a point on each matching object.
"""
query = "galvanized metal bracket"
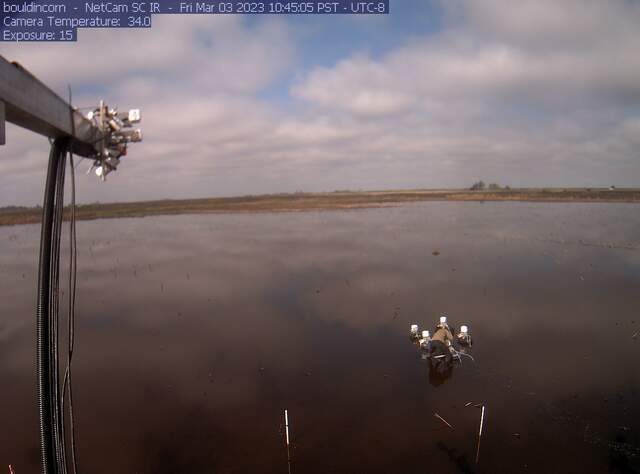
(30, 104)
(27, 102)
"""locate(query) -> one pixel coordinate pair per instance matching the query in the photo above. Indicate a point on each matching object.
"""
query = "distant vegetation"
(12, 215)
(481, 186)
(7, 209)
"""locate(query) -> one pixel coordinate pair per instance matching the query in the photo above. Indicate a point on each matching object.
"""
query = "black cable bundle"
(73, 267)
(50, 403)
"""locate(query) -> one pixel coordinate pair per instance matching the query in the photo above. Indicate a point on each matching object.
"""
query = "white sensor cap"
(464, 329)
(135, 116)
(443, 319)
(425, 334)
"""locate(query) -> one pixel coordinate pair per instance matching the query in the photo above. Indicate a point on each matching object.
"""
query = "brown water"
(195, 332)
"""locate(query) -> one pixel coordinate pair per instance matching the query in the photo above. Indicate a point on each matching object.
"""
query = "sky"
(439, 93)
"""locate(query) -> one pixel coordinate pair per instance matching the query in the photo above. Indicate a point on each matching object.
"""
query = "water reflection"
(195, 332)
(440, 371)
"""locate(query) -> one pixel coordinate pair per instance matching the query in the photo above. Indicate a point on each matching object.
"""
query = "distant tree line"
(8, 209)
(482, 186)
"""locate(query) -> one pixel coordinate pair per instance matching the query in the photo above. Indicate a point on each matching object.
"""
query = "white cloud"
(494, 92)
(497, 58)
(339, 86)
(546, 24)
(534, 94)
(195, 79)
(215, 53)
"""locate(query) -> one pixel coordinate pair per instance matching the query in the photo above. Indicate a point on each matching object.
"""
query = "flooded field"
(195, 332)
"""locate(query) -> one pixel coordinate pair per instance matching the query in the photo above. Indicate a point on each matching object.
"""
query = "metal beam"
(30, 104)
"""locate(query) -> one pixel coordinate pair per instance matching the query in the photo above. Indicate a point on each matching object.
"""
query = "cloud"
(539, 95)
(339, 87)
(532, 95)
(492, 56)
(216, 54)
(196, 79)
(545, 24)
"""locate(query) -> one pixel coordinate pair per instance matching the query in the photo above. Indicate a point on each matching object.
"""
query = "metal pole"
(480, 435)
(30, 104)
(286, 424)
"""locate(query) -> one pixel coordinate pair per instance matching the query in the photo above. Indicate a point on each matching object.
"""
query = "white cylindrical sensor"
(414, 329)
(464, 329)
(443, 320)
(425, 334)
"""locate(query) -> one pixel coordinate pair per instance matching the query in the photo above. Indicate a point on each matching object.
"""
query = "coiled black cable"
(49, 407)
(73, 270)
(58, 413)
(73, 278)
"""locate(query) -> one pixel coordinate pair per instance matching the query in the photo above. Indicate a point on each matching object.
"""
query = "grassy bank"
(321, 201)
